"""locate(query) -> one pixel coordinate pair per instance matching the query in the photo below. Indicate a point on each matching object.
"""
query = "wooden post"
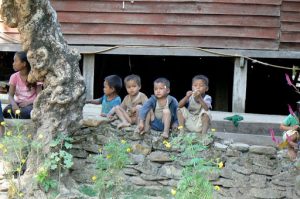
(239, 85)
(88, 74)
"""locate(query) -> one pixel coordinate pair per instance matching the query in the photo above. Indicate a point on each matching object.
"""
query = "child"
(159, 112)
(1, 120)
(129, 109)
(290, 126)
(196, 115)
(110, 99)
(21, 93)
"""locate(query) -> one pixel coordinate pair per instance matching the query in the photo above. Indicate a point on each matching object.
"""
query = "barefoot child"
(110, 99)
(290, 126)
(129, 109)
(159, 111)
(194, 108)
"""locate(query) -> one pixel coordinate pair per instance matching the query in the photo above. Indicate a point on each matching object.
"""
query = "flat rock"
(266, 150)
(240, 147)
(159, 156)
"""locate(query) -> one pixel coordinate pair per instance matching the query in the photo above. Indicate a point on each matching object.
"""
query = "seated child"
(110, 99)
(159, 111)
(1, 120)
(129, 109)
(194, 108)
(290, 126)
(21, 93)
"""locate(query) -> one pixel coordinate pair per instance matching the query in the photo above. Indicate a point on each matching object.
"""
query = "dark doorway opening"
(179, 70)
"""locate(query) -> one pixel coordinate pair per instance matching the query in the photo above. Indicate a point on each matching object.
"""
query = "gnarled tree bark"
(58, 108)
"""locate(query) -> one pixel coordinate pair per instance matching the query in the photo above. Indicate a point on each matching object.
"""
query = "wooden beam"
(239, 85)
(88, 74)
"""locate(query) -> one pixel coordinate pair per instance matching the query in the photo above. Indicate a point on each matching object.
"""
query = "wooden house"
(208, 29)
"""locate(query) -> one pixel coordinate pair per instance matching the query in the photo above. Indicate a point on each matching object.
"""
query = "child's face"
(107, 89)
(18, 64)
(161, 90)
(199, 85)
(132, 88)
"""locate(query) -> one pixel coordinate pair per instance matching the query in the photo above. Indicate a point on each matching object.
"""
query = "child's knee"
(205, 118)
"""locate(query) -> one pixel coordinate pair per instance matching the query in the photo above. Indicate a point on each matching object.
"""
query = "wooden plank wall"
(290, 25)
(239, 24)
(233, 24)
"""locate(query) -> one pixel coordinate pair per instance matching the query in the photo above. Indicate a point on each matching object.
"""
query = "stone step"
(251, 139)
(258, 124)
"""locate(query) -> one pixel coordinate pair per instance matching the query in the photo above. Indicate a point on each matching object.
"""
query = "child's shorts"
(157, 124)
(193, 122)
(289, 133)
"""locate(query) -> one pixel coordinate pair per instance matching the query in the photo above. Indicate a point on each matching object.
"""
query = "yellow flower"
(8, 133)
(18, 169)
(168, 145)
(217, 188)
(123, 141)
(29, 136)
(21, 194)
(128, 149)
(18, 112)
(100, 149)
(108, 156)
(173, 192)
(180, 127)
(213, 130)
(165, 142)
(23, 161)
(2, 123)
(94, 178)
(41, 136)
(5, 151)
(9, 111)
(221, 165)
(1, 146)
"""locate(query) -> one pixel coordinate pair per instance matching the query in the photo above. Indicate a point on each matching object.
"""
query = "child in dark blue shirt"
(159, 111)
(110, 99)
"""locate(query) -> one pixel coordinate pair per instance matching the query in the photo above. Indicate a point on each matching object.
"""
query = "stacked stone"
(249, 172)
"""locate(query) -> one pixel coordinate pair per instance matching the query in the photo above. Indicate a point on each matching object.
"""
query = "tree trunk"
(58, 108)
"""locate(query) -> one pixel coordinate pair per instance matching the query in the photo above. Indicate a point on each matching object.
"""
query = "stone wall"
(249, 171)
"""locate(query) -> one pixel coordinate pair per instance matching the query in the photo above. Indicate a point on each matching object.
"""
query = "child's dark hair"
(114, 81)
(201, 77)
(163, 80)
(133, 77)
(23, 57)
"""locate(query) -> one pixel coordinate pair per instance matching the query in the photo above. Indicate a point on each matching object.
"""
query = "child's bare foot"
(292, 154)
(123, 124)
(165, 135)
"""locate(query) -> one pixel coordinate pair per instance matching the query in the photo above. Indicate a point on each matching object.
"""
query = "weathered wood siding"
(290, 25)
(234, 24)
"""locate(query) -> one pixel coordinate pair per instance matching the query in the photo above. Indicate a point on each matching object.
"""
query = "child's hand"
(189, 93)
(197, 93)
(296, 127)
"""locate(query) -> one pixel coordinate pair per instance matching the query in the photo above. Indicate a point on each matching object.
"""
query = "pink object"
(272, 133)
(22, 92)
(288, 80)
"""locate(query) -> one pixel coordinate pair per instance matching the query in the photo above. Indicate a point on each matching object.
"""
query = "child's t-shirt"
(22, 92)
(290, 120)
(194, 107)
(108, 105)
(129, 103)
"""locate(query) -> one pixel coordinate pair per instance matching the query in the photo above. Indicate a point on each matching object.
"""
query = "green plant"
(59, 158)
(88, 190)
(44, 179)
(14, 146)
(194, 182)
(112, 158)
